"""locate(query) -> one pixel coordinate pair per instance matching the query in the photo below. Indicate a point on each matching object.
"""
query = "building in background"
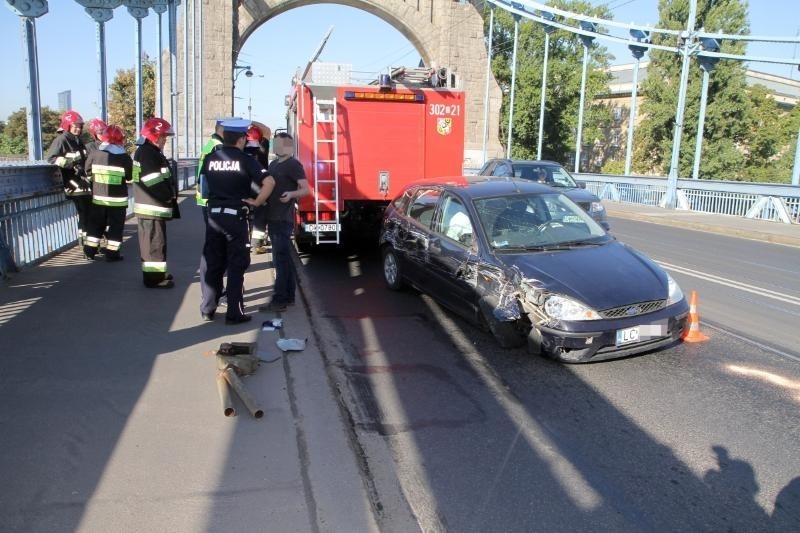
(64, 100)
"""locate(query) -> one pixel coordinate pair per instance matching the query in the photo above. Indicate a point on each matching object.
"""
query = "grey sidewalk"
(759, 230)
(109, 415)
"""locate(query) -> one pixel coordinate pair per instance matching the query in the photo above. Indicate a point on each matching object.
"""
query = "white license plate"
(313, 228)
(627, 335)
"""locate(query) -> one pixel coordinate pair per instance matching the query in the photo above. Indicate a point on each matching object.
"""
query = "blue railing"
(36, 220)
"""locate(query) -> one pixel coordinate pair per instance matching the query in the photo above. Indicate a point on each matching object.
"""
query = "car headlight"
(675, 292)
(563, 308)
(596, 207)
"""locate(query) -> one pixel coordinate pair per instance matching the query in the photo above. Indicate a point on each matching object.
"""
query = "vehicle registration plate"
(627, 335)
(311, 228)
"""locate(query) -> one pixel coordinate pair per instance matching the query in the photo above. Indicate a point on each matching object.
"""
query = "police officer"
(231, 177)
(214, 142)
(111, 169)
(154, 201)
(68, 152)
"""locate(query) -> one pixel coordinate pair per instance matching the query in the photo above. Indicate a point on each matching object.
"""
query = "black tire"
(304, 246)
(392, 273)
(507, 334)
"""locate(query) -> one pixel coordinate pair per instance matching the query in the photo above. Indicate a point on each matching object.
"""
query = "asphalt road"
(698, 437)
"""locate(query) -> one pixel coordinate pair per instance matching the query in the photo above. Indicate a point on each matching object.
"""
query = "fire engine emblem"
(444, 126)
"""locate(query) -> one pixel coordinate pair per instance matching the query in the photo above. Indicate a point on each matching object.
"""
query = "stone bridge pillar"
(446, 33)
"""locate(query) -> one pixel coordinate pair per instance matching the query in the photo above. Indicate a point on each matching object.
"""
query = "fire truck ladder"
(325, 113)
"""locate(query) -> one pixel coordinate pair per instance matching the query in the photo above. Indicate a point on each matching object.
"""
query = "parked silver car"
(552, 174)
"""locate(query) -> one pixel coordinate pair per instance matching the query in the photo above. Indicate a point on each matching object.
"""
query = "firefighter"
(68, 152)
(95, 127)
(290, 184)
(154, 202)
(110, 168)
(256, 134)
(231, 176)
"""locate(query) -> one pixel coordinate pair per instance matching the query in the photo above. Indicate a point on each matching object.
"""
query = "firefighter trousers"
(225, 248)
(153, 249)
(83, 206)
(258, 236)
(108, 221)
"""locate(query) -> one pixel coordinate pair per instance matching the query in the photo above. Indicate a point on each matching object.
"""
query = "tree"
(563, 84)
(729, 111)
(14, 135)
(122, 98)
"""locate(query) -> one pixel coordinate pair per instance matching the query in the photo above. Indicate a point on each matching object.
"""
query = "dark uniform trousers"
(83, 207)
(227, 237)
(153, 248)
(108, 221)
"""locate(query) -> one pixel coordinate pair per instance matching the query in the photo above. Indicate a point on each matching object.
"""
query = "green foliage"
(616, 168)
(122, 99)
(563, 84)
(731, 140)
(14, 134)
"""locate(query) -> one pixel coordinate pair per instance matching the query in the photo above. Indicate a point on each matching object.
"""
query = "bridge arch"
(446, 33)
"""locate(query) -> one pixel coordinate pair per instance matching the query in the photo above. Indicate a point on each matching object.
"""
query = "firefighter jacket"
(153, 193)
(111, 169)
(201, 194)
(68, 152)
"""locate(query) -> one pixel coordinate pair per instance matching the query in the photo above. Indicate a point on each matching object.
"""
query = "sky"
(68, 56)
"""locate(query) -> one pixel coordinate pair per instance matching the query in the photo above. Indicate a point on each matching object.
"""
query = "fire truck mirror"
(383, 181)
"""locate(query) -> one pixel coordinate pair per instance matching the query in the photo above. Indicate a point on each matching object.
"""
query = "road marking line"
(753, 342)
(735, 284)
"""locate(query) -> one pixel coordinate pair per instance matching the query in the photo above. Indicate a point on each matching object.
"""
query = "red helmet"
(69, 118)
(254, 134)
(113, 134)
(96, 127)
(155, 127)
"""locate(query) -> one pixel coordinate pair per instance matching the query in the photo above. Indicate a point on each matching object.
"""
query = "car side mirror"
(581, 184)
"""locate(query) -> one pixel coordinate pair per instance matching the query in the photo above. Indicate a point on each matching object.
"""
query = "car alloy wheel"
(391, 269)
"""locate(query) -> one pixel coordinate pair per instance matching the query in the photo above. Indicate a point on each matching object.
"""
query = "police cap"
(236, 125)
(220, 120)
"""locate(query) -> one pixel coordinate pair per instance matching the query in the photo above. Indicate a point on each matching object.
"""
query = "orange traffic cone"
(693, 333)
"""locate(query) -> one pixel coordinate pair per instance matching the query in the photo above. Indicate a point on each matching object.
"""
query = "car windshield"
(552, 175)
(530, 222)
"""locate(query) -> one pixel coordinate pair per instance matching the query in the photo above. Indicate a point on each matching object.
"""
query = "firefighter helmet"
(113, 134)
(254, 134)
(69, 118)
(155, 127)
(96, 127)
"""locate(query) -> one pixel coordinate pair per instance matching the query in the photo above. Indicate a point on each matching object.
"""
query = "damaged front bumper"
(580, 342)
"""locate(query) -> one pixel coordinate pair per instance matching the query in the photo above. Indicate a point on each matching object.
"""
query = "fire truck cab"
(361, 144)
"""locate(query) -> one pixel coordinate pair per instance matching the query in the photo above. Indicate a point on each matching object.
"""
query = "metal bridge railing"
(778, 203)
(36, 219)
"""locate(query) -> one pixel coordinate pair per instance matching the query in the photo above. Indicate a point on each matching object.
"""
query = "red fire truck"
(361, 144)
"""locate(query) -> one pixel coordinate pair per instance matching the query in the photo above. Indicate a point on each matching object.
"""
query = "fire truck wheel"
(392, 274)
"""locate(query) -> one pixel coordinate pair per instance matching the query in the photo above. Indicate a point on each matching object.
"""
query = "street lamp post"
(486, 88)
(638, 52)
(587, 42)
(547, 31)
(513, 84)
(707, 65)
(237, 70)
(671, 196)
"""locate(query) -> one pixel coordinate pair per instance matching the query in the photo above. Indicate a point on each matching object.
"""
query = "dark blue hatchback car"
(528, 263)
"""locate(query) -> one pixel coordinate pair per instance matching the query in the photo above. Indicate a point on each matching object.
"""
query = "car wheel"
(506, 333)
(392, 273)
(304, 246)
